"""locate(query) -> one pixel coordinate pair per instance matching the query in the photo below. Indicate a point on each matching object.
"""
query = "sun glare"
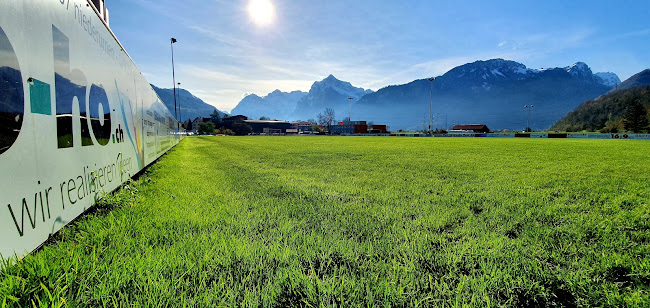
(261, 11)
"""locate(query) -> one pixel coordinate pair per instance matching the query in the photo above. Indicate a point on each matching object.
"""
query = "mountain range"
(606, 112)
(297, 105)
(191, 106)
(492, 92)
(275, 105)
(328, 93)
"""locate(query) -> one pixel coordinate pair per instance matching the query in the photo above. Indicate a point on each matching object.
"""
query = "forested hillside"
(606, 113)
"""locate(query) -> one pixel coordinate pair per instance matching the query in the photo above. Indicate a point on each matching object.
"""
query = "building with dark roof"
(349, 127)
(269, 126)
(477, 128)
(233, 119)
(197, 121)
(357, 127)
(378, 129)
(303, 127)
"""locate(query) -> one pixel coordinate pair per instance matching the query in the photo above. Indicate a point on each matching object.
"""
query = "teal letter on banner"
(40, 97)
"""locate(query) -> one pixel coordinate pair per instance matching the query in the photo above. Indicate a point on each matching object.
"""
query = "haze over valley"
(492, 92)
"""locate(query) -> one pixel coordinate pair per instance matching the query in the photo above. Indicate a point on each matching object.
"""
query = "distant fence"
(512, 135)
(549, 135)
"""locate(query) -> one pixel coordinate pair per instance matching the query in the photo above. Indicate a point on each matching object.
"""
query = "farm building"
(477, 128)
(377, 129)
(269, 126)
(349, 127)
(196, 122)
(303, 127)
(229, 121)
(357, 127)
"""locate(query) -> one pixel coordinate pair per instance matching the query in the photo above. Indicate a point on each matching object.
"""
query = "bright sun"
(261, 11)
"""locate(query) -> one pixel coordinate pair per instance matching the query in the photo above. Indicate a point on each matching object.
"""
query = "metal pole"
(179, 104)
(350, 112)
(528, 120)
(430, 101)
(173, 40)
(431, 79)
(531, 107)
(526, 128)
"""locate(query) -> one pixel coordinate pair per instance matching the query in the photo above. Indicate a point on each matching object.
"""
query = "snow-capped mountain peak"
(342, 87)
(328, 93)
(608, 79)
(499, 71)
(494, 68)
(579, 69)
(276, 105)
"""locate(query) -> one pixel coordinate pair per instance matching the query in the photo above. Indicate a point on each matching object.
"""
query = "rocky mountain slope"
(276, 105)
(492, 92)
(191, 106)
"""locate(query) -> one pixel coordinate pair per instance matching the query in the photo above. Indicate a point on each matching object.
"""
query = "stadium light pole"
(528, 121)
(173, 40)
(180, 114)
(350, 111)
(431, 79)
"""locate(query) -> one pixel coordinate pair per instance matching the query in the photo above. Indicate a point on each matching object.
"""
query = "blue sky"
(223, 54)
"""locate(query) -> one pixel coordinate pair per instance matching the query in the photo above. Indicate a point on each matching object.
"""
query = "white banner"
(77, 117)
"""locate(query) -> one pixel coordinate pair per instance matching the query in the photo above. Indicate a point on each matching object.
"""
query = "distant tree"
(613, 127)
(311, 120)
(636, 117)
(264, 118)
(206, 128)
(215, 118)
(326, 118)
(241, 129)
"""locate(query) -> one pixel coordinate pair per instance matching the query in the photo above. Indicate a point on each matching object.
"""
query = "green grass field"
(356, 221)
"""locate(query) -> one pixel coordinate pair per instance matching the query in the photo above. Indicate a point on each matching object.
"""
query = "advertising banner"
(78, 119)
(608, 136)
(501, 135)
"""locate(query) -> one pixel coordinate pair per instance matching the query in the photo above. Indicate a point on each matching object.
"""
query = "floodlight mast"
(528, 121)
(173, 40)
(431, 79)
(180, 116)
(350, 111)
